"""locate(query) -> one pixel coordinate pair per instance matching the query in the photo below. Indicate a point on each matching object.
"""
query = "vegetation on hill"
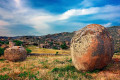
(115, 32)
(1, 51)
(54, 41)
(4, 42)
(64, 46)
(28, 50)
(18, 43)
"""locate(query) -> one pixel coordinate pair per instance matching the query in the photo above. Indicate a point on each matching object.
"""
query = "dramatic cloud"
(77, 12)
(23, 15)
(46, 18)
(94, 10)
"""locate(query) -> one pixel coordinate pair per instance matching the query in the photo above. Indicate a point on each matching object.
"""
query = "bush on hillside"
(56, 53)
(1, 51)
(18, 43)
(28, 51)
(64, 46)
(4, 42)
(54, 47)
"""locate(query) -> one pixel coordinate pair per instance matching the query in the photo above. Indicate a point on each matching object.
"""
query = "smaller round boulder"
(15, 53)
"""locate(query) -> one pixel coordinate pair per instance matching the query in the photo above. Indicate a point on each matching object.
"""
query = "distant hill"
(66, 36)
(115, 32)
(55, 40)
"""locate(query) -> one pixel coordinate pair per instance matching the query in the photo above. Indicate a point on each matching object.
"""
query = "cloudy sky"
(41, 17)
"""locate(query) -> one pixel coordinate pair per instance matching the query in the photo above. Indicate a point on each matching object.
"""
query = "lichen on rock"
(91, 47)
(15, 53)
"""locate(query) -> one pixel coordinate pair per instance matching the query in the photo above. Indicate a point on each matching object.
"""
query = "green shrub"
(4, 77)
(117, 51)
(28, 50)
(25, 74)
(18, 43)
(2, 59)
(56, 53)
(30, 75)
(70, 61)
(60, 74)
(64, 46)
(1, 51)
(4, 42)
(5, 69)
(1, 42)
(55, 70)
(54, 47)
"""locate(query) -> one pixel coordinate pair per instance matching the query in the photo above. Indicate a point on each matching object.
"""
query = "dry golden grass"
(55, 68)
(32, 64)
(51, 51)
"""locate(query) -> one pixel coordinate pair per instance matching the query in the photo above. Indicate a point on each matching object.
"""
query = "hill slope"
(55, 40)
(114, 31)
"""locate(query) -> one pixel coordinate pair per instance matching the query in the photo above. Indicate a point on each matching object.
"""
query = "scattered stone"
(91, 48)
(15, 53)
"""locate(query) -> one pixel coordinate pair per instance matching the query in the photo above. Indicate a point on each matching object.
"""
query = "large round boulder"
(15, 53)
(91, 48)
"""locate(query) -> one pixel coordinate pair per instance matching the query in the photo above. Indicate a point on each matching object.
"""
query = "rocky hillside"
(55, 40)
(115, 32)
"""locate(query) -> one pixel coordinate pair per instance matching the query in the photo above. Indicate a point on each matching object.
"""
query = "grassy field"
(54, 68)
(51, 51)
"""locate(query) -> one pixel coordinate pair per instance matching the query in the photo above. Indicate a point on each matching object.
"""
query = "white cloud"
(77, 12)
(39, 19)
(3, 29)
(5, 14)
(107, 24)
(3, 23)
(18, 2)
(86, 3)
(39, 22)
(94, 10)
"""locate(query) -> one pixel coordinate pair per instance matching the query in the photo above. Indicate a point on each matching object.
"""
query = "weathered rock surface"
(15, 53)
(91, 48)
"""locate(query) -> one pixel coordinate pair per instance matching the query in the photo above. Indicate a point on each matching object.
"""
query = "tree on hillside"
(1, 51)
(64, 46)
(18, 43)
(4, 42)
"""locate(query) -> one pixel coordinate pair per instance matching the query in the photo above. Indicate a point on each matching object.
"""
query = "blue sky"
(41, 17)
